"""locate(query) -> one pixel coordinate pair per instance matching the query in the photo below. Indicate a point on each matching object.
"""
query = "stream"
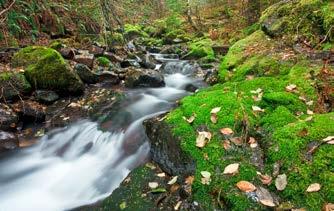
(81, 164)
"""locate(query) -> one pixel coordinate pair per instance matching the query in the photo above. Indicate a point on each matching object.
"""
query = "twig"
(8, 8)
(322, 41)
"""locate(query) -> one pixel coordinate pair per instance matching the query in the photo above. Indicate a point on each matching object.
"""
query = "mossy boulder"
(12, 85)
(299, 18)
(292, 147)
(201, 48)
(134, 31)
(46, 69)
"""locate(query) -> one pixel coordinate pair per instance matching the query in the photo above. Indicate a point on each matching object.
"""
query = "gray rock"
(87, 59)
(143, 78)
(8, 118)
(166, 150)
(8, 141)
(46, 96)
(85, 74)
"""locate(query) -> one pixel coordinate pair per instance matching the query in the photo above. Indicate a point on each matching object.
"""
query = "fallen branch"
(8, 8)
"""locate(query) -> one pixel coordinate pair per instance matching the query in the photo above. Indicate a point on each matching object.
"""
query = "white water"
(81, 164)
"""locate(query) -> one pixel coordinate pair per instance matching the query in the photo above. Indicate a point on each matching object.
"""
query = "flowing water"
(81, 164)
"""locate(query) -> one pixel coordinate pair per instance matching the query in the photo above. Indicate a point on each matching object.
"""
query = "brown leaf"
(237, 141)
(291, 87)
(267, 203)
(232, 168)
(190, 180)
(214, 118)
(172, 181)
(281, 182)
(329, 138)
(227, 144)
(226, 131)
(328, 207)
(266, 179)
(178, 205)
(190, 119)
(203, 138)
(315, 187)
(215, 110)
(246, 186)
(206, 177)
(174, 188)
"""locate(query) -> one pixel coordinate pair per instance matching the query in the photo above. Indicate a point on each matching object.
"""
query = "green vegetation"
(103, 61)
(46, 69)
(12, 85)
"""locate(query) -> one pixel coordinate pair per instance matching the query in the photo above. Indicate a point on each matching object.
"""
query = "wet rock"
(30, 111)
(143, 78)
(67, 53)
(211, 77)
(147, 61)
(85, 74)
(191, 88)
(12, 85)
(129, 63)
(153, 49)
(113, 57)
(8, 141)
(86, 59)
(97, 51)
(165, 148)
(8, 118)
(46, 96)
(108, 76)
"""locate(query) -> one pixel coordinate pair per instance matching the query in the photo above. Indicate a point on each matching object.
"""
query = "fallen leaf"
(328, 207)
(203, 138)
(232, 168)
(265, 197)
(246, 186)
(315, 187)
(310, 103)
(291, 87)
(153, 185)
(266, 179)
(190, 119)
(281, 182)
(258, 91)
(226, 144)
(215, 110)
(206, 177)
(309, 112)
(267, 203)
(172, 181)
(329, 138)
(309, 118)
(189, 180)
(178, 205)
(163, 174)
(257, 109)
(237, 141)
(214, 118)
(226, 131)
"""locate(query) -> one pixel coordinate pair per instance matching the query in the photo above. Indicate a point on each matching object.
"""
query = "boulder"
(8, 118)
(96, 51)
(8, 141)
(129, 63)
(45, 68)
(12, 85)
(30, 110)
(166, 150)
(86, 74)
(143, 78)
(46, 96)
(112, 57)
(67, 53)
(86, 59)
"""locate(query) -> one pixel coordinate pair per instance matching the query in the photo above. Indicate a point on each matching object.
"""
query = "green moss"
(278, 118)
(103, 61)
(290, 148)
(132, 31)
(13, 84)
(289, 100)
(46, 69)
(201, 48)
(328, 19)
(57, 45)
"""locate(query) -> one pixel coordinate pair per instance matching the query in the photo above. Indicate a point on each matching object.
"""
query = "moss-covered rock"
(13, 85)
(298, 18)
(201, 48)
(46, 69)
(304, 165)
(134, 31)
